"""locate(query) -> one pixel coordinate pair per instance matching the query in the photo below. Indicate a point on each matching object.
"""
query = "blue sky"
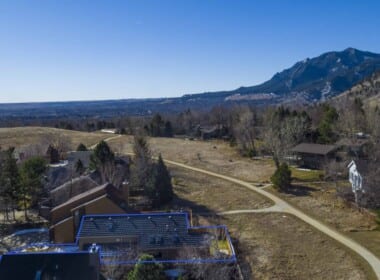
(86, 50)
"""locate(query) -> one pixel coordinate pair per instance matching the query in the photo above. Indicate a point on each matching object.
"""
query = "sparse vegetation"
(204, 194)
(149, 270)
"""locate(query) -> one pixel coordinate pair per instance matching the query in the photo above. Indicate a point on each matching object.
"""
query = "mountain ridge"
(312, 79)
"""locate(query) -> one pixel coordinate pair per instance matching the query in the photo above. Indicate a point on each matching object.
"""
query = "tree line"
(20, 184)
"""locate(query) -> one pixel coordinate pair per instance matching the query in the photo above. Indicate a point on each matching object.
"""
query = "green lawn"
(306, 175)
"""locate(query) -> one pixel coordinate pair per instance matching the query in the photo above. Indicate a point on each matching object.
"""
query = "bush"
(81, 147)
(282, 177)
(146, 269)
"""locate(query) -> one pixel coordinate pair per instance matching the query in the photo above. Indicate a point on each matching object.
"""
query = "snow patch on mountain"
(325, 91)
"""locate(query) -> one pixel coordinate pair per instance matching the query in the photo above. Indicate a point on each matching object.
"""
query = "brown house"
(71, 188)
(313, 156)
(166, 236)
(66, 217)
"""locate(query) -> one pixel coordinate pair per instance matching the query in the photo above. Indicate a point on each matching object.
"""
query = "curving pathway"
(106, 140)
(282, 206)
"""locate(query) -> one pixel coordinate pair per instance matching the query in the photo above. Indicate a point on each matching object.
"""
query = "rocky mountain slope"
(367, 90)
(314, 79)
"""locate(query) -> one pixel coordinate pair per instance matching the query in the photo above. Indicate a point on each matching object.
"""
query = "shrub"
(147, 271)
(81, 147)
(282, 177)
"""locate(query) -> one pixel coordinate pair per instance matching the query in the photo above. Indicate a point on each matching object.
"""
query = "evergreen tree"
(103, 160)
(81, 148)
(10, 179)
(147, 269)
(79, 167)
(155, 125)
(326, 125)
(163, 182)
(168, 132)
(142, 162)
(102, 154)
(31, 172)
(159, 186)
(282, 177)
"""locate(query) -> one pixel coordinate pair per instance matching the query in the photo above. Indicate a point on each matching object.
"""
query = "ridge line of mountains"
(311, 80)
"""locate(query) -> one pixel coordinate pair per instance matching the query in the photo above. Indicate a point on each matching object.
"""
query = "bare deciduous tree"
(243, 123)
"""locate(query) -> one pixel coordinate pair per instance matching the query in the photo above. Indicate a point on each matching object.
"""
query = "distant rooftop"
(316, 149)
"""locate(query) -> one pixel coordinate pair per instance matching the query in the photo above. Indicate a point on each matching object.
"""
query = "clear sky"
(54, 50)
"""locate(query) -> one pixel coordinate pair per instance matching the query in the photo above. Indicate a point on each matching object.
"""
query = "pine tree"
(326, 125)
(168, 132)
(81, 148)
(10, 179)
(31, 172)
(282, 177)
(79, 167)
(159, 186)
(147, 269)
(103, 160)
(142, 162)
(163, 182)
(155, 125)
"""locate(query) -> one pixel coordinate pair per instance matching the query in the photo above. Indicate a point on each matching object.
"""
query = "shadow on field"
(180, 203)
(299, 190)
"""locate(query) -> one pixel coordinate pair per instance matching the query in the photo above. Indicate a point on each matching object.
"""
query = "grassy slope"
(21, 136)
(216, 156)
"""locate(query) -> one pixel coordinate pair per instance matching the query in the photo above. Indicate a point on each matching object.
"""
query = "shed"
(312, 155)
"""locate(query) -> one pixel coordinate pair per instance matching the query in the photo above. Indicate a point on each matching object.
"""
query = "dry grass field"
(215, 156)
(278, 246)
(22, 136)
(321, 202)
(369, 239)
(269, 245)
(205, 194)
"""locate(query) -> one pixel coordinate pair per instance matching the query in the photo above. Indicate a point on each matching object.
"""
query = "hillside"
(23, 136)
(309, 80)
(367, 90)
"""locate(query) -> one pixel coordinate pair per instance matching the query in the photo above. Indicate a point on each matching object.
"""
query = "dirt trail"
(283, 206)
(106, 140)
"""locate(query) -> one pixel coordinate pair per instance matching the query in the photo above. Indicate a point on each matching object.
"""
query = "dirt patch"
(203, 193)
(215, 156)
(278, 246)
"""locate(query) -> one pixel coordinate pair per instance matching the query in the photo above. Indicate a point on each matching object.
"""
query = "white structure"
(111, 131)
(356, 181)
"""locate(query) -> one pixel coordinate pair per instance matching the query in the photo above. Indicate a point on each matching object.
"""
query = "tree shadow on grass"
(183, 204)
(299, 190)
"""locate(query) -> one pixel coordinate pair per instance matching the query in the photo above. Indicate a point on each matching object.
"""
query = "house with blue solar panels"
(119, 239)
(169, 237)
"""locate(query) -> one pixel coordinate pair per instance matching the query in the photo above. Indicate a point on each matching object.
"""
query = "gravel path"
(284, 207)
